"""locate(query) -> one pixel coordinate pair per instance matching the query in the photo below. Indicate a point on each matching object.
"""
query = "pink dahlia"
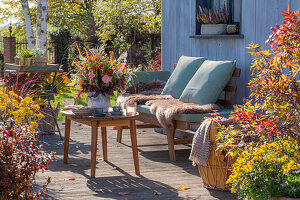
(106, 79)
(91, 75)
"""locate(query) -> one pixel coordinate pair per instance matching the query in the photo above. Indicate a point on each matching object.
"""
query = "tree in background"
(22, 10)
(41, 25)
(76, 16)
(127, 25)
(130, 25)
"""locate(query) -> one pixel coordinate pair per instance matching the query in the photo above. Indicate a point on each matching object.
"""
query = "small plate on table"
(83, 111)
(116, 113)
(99, 114)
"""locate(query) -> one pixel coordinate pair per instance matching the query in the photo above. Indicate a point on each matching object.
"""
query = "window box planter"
(213, 29)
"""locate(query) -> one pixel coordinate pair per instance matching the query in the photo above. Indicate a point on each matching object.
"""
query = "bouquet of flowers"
(101, 74)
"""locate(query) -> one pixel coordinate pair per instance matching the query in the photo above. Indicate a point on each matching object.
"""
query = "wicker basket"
(40, 62)
(219, 165)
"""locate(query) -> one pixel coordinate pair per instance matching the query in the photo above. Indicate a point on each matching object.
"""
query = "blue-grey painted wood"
(257, 17)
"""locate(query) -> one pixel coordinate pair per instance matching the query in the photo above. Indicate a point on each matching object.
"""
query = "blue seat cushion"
(197, 118)
(146, 77)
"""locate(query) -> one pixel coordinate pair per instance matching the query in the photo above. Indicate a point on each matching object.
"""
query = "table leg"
(94, 148)
(119, 134)
(67, 138)
(134, 146)
(104, 142)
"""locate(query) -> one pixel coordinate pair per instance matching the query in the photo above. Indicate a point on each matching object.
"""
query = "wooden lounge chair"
(183, 121)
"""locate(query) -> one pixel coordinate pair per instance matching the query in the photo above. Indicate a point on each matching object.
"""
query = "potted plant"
(213, 22)
(24, 57)
(100, 75)
(269, 166)
(38, 59)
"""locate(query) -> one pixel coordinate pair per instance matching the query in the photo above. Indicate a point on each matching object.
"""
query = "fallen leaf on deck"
(123, 193)
(79, 124)
(97, 154)
(72, 179)
(156, 193)
(126, 179)
(182, 187)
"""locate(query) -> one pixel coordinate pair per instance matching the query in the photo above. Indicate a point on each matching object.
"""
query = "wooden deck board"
(158, 174)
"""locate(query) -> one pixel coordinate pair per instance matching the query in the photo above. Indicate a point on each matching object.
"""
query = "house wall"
(257, 16)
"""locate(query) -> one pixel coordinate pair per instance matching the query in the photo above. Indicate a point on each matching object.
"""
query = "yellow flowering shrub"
(271, 169)
(20, 156)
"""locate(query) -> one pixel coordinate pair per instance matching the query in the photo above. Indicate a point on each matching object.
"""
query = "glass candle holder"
(131, 109)
(69, 101)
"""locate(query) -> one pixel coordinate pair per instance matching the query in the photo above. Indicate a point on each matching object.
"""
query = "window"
(233, 6)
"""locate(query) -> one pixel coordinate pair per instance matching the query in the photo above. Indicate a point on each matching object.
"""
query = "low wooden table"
(102, 122)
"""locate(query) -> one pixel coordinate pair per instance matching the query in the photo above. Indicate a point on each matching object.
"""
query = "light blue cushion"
(146, 77)
(184, 71)
(208, 82)
(197, 118)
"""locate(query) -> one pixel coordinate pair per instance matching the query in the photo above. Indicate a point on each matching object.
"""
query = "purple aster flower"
(294, 189)
(283, 186)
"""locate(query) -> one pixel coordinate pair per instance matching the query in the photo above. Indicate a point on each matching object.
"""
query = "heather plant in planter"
(216, 16)
(270, 122)
(20, 157)
(213, 22)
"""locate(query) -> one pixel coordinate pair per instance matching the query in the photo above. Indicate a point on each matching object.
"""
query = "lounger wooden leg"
(171, 136)
(134, 147)
(119, 136)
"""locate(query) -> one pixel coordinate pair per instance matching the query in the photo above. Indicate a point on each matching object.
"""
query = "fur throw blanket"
(141, 99)
(166, 108)
(150, 88)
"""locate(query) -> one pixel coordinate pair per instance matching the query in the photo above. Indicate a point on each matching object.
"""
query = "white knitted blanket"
(201, 144)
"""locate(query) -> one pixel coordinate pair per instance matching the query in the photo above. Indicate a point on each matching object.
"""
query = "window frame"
(235, 7)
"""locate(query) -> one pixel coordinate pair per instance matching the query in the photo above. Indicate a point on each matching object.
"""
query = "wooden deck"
(159, 177)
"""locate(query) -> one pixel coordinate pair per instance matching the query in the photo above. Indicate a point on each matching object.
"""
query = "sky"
(2, 24)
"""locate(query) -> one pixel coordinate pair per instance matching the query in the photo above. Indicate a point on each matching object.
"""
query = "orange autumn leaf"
(97, 154)
(182, 187)
(123, 193)
(81, 82)
(72, 179)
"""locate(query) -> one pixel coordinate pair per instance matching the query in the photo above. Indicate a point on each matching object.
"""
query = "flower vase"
(100, 101)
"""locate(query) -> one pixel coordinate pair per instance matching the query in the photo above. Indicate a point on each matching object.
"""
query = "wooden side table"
(102, 122)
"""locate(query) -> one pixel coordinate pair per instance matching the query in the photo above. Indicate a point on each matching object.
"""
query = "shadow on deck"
(116, 178)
